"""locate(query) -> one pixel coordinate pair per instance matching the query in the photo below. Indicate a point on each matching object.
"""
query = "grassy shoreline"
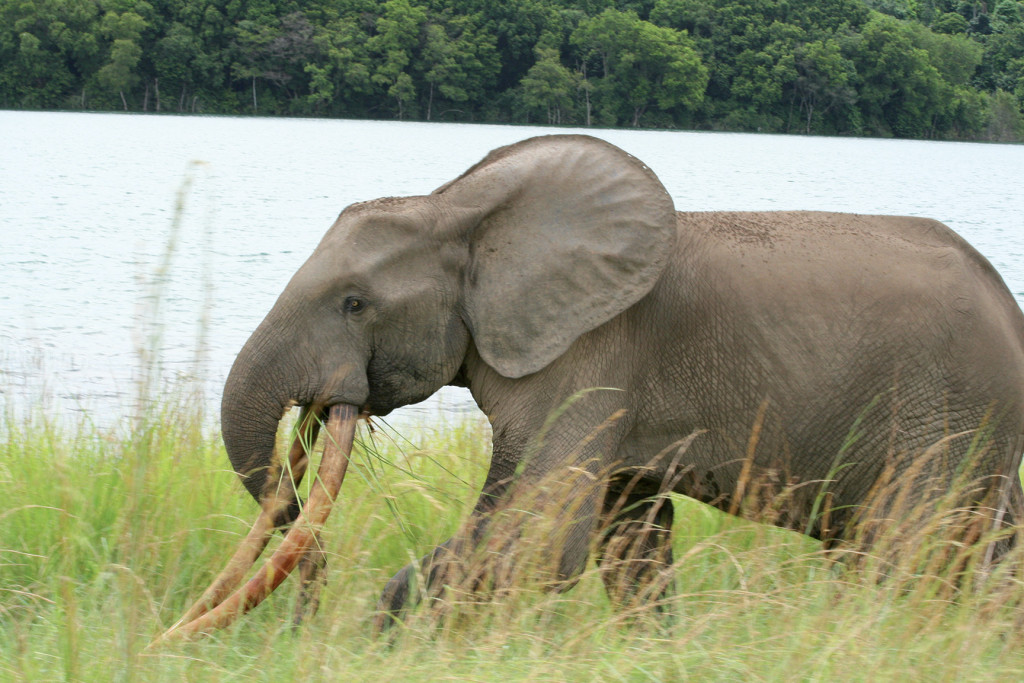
(106, 536)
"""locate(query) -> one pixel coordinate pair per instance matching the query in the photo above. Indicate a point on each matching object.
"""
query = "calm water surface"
(87, 204)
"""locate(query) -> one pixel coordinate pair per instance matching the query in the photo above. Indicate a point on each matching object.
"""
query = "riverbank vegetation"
(950, 69)
(107, 535)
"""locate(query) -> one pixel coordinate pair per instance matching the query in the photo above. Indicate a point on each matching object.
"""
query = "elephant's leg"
(635, 555)
(410, 585)
(1007, 518)
(535, 531)
(536, 516)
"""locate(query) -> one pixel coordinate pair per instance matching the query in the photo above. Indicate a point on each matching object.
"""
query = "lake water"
(87, 204)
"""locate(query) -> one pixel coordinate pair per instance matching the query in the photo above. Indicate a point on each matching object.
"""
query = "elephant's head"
(535, 245)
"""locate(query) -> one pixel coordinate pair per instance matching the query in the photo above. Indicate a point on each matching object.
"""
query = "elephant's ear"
(565, 232)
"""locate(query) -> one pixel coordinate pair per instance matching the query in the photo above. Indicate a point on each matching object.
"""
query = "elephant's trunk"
(272, 373)
(265, 380)
(215, 611)
(254, 401)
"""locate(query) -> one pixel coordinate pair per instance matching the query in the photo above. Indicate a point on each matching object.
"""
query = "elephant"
(808, 368)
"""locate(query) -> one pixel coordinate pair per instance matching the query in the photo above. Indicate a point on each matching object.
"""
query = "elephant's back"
(820, 271)
(854, 254)
(821, 232)
(829, 311)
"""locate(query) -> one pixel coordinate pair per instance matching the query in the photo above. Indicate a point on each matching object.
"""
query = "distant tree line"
(909, 68)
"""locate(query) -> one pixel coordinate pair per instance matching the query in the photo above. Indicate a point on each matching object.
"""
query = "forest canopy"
(946, 69)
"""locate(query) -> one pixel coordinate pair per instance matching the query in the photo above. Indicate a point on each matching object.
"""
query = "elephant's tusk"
(213, 610)
(256, 541)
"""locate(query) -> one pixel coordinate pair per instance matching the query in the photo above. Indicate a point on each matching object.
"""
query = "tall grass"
(107, 534)
(105, 537)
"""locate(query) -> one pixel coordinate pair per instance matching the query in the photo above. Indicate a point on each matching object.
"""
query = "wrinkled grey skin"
(834, 348)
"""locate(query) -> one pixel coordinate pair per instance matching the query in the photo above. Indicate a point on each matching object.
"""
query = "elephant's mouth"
(221, 604)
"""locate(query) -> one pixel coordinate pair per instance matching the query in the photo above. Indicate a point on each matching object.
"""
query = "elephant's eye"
(354, 304)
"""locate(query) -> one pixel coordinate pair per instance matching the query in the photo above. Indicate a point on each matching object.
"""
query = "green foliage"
(900, 88)
(912, 68)
(638, 65)
(951, 23)
(457, 60)
(341, 76)
(549, 87)
(824, 85)
(397, 36)
(1005, 121)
